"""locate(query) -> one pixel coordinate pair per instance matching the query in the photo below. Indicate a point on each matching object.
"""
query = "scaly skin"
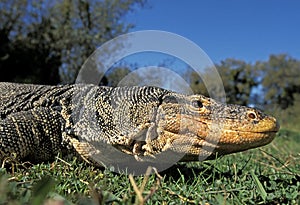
(196, 126)
(212, 128)
(108, 125)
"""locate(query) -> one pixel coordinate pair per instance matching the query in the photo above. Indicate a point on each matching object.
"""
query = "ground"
(268, 175)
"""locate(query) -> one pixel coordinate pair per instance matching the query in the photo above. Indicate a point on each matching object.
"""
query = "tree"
(116, 75)
(23, 61)
(239, 80)
(48, 41)
(281, 80)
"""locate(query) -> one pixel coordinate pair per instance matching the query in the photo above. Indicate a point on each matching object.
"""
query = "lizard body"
(39, 121)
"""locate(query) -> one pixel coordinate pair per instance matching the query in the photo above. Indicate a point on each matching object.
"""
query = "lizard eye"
(252, 115)
(197, 104)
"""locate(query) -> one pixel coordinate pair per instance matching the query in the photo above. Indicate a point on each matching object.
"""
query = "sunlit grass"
(268, 175)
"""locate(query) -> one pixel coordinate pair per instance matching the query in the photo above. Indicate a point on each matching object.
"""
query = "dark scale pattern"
(31, 123)
(29, 135)
(117, 113)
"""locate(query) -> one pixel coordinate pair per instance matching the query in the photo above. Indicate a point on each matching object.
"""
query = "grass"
(268, 175)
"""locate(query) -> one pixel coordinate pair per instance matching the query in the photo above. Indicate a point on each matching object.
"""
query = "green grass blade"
(259, 185)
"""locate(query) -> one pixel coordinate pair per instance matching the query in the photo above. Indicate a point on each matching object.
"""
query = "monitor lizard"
(40, 121)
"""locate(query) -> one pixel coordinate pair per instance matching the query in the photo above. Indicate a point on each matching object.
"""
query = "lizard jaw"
(205, 139)
(240, 141)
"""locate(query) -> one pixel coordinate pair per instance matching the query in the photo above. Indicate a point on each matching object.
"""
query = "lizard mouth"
(238, 139)
(204, 148)
(228, 137)
(230, 132)
(234, 141)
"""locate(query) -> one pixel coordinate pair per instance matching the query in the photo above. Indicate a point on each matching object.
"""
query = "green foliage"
(238, 78)
(116, 75)
(47, 41)
(281, 80)
(289, 118)
(275, 82)
(268, 175)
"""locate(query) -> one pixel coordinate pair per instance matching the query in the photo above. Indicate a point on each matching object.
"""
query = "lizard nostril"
(252, 115)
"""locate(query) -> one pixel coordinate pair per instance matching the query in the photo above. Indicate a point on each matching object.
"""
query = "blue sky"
(248, 30)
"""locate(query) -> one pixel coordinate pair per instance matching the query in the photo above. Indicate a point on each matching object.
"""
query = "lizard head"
(200, 126)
